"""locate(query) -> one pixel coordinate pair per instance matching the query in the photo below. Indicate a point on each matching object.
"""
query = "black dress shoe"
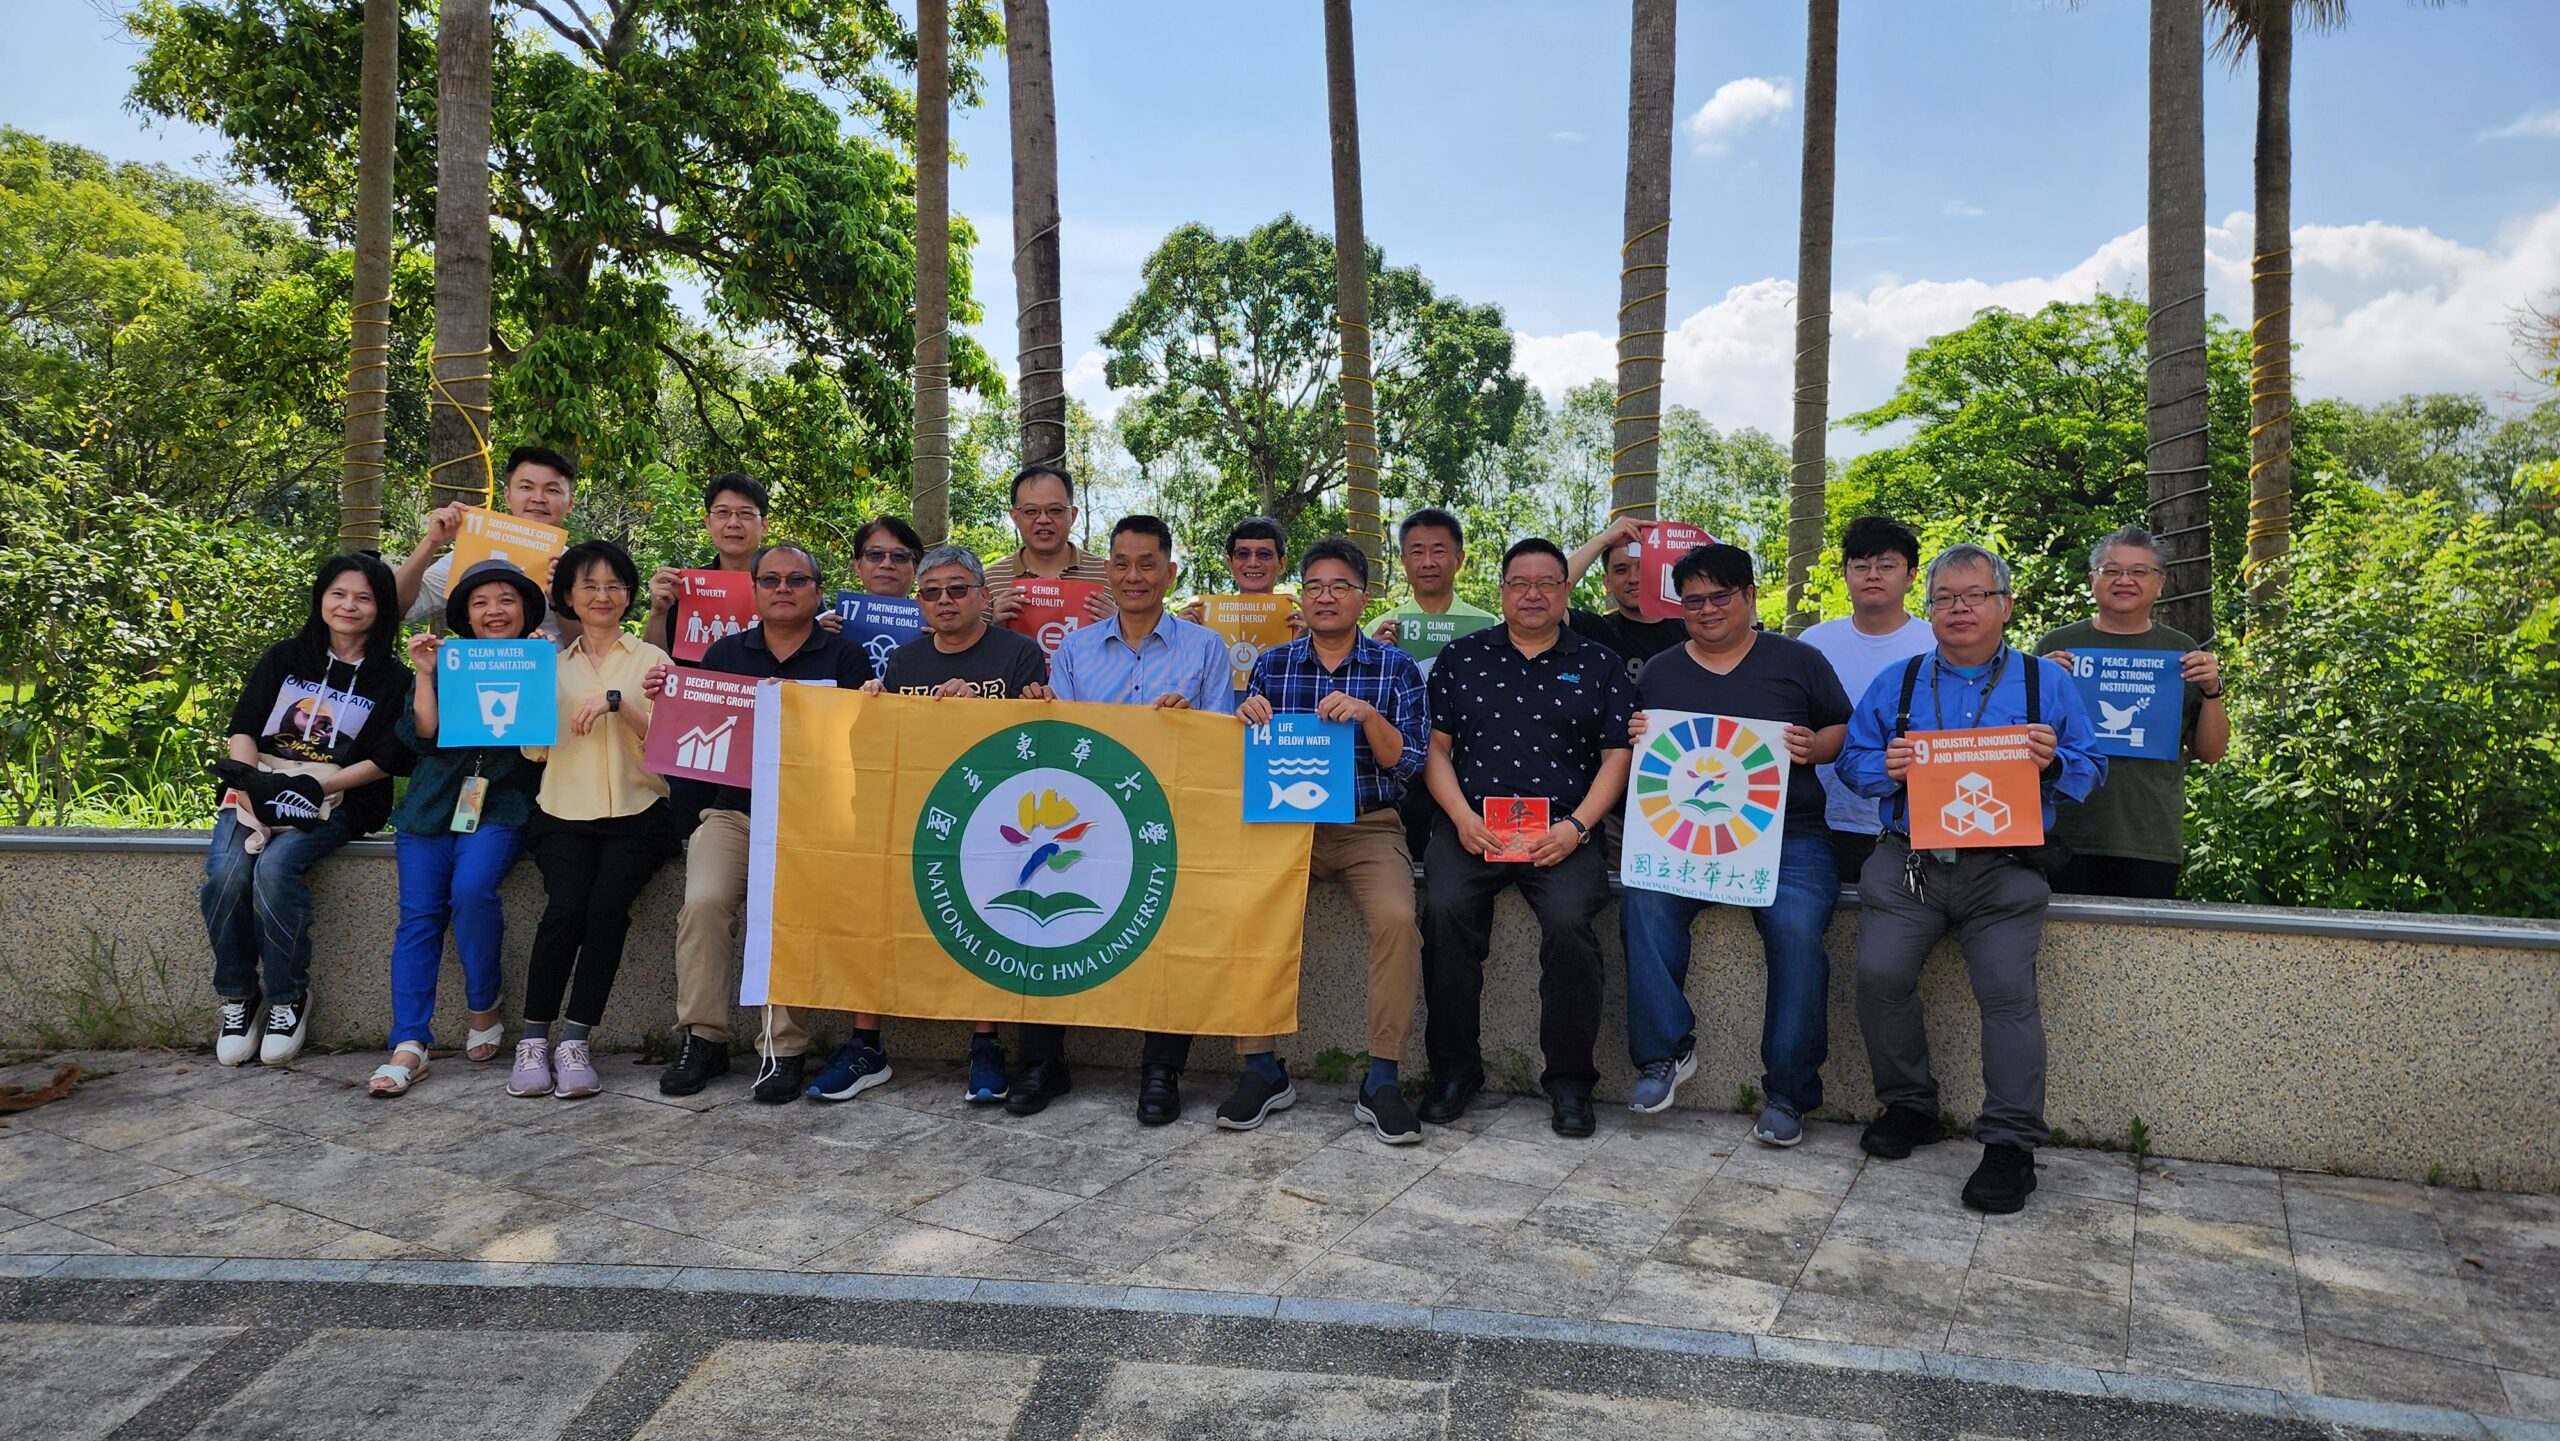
(1159, 1096)
(782, 1080)
(1447, 1099)
(698, 1062)
(1037, 1086)
(1573, 1114)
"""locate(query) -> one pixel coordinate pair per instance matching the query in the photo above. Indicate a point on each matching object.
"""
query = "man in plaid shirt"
(1338, 673)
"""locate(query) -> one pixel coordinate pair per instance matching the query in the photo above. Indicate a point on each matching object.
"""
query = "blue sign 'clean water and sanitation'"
(879, 623)
(498, 692)
(1297, 769)
(2135, 698)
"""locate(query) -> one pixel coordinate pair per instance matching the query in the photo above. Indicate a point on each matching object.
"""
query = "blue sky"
(1991, 151)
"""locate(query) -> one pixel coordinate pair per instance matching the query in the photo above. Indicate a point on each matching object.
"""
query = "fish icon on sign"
(1304, 796)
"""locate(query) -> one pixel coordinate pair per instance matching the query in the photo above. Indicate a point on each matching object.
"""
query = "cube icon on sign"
(1956, 816)
(1973, 786)
(1975, 808)
(1992, 816)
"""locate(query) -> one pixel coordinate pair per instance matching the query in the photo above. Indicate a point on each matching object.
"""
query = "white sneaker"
(286, 1026)
(236, 1042)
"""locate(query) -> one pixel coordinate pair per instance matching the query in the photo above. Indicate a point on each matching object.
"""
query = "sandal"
(481, 1047)
(395, 1079)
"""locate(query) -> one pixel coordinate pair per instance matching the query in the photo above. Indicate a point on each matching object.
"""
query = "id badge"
(466, 807)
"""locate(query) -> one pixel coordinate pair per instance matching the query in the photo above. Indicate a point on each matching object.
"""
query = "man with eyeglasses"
(1624, 628)
(733, 514)
(2129, 837)
(1335, 672)
(541, 485)
(1526, 709)
(886, 555)
(1729, 668)
(1257, 557)
(1880, 559)
(1992, 899)
(1044, 515)
(786, 644)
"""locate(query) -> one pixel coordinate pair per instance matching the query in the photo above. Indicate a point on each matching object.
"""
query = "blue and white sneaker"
(1657, 1082)
(1778, 1125)
(852, 1070)
(987, 1081)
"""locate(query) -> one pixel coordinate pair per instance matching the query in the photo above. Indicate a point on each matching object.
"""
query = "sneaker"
(1387, 1114)
(697, 1064)
(1778, 1126)
(286, 1026)
(1899, 1131)
(235, 1043)
(1658, 1083)
(532, 1073)
(2001, 1183)
(1255, 1099)
(852, 1070)
(987, 1082)
(573, 1070)
(784, 1078)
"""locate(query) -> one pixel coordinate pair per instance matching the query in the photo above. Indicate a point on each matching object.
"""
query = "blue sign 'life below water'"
(2135, 698)
(1297, 769)
(498, 692)
(879, 623)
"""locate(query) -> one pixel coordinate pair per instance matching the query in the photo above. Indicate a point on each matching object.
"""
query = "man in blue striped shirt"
(1335, 672)
(1145, 656)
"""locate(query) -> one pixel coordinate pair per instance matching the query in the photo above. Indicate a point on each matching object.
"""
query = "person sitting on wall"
(1880, 559)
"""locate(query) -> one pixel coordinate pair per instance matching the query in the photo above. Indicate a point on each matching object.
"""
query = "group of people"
(1542, 701)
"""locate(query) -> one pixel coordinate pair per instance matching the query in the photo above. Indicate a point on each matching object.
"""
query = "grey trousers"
(1995, 904)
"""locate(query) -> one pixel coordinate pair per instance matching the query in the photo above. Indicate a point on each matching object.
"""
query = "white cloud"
(1737, 106)
(1568, 137)
(1963, 210)
(2542, 124)
(2379, 310)
(1084, 382)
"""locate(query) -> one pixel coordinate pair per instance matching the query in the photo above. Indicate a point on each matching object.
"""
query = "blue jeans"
(447, 878)
(1795, 1031)
(257, 909)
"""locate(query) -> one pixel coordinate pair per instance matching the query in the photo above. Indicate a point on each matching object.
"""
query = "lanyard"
(1982, 701)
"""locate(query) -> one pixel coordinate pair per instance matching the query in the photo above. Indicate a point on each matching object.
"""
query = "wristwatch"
(613, 700)
(2213, 694)
(1579, 828)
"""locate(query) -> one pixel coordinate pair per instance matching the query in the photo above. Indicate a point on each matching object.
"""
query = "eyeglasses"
(1327, 589)
(1043, 512)
(607, 589)
(1262, 553)
(1870, 569)
(1717, 598)
(2127, 572)
(898, 556)
(1533, 584)
(957, 590)
(1974, 599)
(737, 512)
(798, 580)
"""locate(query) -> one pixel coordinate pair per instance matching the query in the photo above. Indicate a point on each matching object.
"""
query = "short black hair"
(1341, 548)
(573, 564)
(1432, 515)
(1146, 525)
(1874, 535)
(539, 455)
(1534, 545)
(1258, 527)
(736, 482)
(1033, 472)
(1718, 564)
(899, 531)
(817, 572)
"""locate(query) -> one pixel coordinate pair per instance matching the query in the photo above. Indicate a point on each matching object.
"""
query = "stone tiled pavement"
(2296, 1283)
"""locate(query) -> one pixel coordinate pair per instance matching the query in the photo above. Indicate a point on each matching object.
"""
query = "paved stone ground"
(226, 1240)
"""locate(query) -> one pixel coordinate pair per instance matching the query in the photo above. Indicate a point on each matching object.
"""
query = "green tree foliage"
(2454, 445)
(1230, 349)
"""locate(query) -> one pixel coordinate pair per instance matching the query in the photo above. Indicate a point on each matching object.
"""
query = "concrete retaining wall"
(2366, 1044)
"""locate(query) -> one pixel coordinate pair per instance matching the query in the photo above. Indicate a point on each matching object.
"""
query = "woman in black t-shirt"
(309, 769)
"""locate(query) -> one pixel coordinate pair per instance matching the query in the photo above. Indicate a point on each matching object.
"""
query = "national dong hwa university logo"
(1045, 858)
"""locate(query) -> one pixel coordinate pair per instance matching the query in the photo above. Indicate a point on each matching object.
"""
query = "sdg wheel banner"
(1017, 861)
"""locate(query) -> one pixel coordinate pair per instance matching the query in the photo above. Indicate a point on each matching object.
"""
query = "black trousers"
(2124, 877)
(592, 871)
(1457, 922)
(1043, 1044)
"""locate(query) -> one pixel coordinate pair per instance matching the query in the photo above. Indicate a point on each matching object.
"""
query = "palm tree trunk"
(1813, 303)
(932, 442)
(1040, 329)
(2271, 321)
(1645, 258)
(369, 313)
(2180, 483)
(459, 466)
(1351, 291)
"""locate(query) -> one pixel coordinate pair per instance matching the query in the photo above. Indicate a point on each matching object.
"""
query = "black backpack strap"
(2035, 688)
(1902, 707)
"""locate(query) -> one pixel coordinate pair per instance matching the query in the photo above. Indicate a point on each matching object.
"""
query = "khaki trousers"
(1369, 857)
(715, 899)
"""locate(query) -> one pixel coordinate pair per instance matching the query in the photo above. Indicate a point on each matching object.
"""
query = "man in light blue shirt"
(1880, 558)
(1144, 656)
(1992, 899)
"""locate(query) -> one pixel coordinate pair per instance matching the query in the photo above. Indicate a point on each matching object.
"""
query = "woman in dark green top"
(456, 832)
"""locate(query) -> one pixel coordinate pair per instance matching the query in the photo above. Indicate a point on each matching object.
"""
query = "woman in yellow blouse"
(603, 826)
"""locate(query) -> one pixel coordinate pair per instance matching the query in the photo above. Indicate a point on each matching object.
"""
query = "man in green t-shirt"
(1432, 547)
(2129, 837)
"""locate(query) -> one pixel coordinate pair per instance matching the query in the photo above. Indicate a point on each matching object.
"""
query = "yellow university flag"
(1017, 860)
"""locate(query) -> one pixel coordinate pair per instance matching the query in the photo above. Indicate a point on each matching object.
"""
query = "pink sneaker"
(577, 1071)
(532, 1073)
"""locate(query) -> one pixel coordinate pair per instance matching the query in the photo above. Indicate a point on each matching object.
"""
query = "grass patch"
(107, 1005)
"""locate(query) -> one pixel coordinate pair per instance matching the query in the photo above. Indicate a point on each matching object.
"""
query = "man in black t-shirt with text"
(959, 653)
(1624, 627)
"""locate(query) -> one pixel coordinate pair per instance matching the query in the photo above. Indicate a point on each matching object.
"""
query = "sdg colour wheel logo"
(1709, 786)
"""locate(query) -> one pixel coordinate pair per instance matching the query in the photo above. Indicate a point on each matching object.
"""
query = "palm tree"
(458, 461)
(932, 443)
(369, 314)
(1645, 261)
(2180, 483)
(1813, 302)
(1351, 289)
(1040, 330)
